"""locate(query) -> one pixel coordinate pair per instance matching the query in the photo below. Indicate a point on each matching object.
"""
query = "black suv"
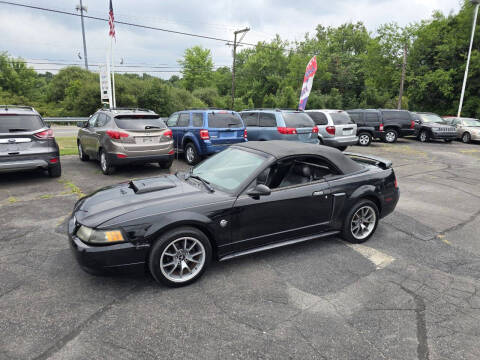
(385, 124)
(26, 141)
(430, 126)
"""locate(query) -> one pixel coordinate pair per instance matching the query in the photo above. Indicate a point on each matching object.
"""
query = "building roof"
(284, 148)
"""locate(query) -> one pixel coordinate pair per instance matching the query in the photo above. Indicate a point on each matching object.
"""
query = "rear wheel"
(391, 136)
(105, 164)
(166, 164)
(364, 139)
(361, 222)
(466, 138)
(191, 154)
(81, 153)
(424, 136)
(180, 256)
(55, 171)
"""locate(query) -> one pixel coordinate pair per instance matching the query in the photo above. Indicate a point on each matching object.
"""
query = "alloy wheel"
(363, 222)
(423, 136)
(103, 162)
(466, 138)
(364, 140)
(182, 259)
(390, 136)
(80, 151)
(190, 154)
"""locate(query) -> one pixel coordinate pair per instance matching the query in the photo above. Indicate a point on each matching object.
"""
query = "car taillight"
(171, 152)
(204, 135)
(117, 135)
(46, 134)
(168, 133)
(315, 130)
(412, 125)
(330, 130)
(396, 183)
(287, 130)
(53, 160)
(245, 134)
(121, 156)
(381, 127)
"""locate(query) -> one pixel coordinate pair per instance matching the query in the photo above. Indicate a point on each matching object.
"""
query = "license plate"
(147, 140)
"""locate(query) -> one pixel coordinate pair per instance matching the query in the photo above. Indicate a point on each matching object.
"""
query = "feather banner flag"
(308, 82)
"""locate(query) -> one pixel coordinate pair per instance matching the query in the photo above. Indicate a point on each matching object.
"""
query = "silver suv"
(124, 136)
(26, 141)
(335, 128)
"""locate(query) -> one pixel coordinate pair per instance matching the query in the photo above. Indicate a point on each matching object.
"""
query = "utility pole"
(404, 70)
(82, 8)
(235, 44)
(477, 5)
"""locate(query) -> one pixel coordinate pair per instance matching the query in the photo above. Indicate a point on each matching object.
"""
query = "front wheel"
(448, 140)
(105, 164)
(466, 138)
(424, 136)
(364, 139)
(361, 222)
(391, 136)
(180, 256)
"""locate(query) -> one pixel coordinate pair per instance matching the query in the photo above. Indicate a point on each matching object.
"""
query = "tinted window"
(250, 119)
(139, 122)
(183, 120)
(197, 119)
(318, 117)
(341, 118)
(356, 117)
(92, 120)
(431, 118)
(222, 120)
(372, 117)
(101, 120)
(172, 121)
(12, 123)
(297, 120)
(396, 115)
(267, 120)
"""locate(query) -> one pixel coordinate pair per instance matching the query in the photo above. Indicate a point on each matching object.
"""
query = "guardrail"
(65, 120)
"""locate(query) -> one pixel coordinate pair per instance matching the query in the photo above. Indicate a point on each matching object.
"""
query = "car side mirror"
(259, 190)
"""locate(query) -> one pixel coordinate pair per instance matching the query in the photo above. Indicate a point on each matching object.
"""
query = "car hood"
(140, 198)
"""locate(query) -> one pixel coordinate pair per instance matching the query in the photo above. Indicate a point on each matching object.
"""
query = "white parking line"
(379, 259)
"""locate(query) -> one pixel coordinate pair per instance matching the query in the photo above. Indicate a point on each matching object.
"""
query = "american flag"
(111, 22)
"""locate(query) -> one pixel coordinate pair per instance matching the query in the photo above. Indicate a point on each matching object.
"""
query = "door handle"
(317, 193)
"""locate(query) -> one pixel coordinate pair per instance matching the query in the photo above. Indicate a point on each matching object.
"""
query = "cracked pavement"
(411, 292)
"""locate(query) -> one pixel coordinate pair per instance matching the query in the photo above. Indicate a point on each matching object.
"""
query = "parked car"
(250, 197)
(467, 129)
(27, 142)
(279, 124)
(429, 126)
(369, 125)
(335, 128)
(124, 136)
(201, 132)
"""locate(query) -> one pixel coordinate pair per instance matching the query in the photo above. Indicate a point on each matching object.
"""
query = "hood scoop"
(150, 185)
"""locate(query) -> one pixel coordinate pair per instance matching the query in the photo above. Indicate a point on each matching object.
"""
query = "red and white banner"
(307, 82)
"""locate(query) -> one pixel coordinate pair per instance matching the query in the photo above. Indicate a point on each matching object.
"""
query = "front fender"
(172, 220)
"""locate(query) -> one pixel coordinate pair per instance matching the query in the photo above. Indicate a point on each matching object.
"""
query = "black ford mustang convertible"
(250, 197)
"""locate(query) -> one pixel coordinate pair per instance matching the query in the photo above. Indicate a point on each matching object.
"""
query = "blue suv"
(278, 124)
(203, 132)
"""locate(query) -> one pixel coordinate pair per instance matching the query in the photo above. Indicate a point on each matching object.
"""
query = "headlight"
(99, 237)
(436, 129)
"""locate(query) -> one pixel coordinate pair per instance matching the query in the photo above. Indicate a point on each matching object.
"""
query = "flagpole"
(113, 74)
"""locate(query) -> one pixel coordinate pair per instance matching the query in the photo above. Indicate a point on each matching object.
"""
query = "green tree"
(197, 68)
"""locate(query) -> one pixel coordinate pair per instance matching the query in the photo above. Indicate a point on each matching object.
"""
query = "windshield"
(471, 122)
(341, 118)
(228, 169)
(12, 123)
(297, 120)
(140, 122)
(432, 118)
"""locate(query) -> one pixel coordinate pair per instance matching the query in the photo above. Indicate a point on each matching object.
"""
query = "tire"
(424, 136)
(191, 154)
(391, 136)
(166, 165)
(447, 140)
(55, 171)
(342, 148)
(170, 269)
(466, 138)
(364, 139)
(105, 164)
(81, 153)
(350, 232)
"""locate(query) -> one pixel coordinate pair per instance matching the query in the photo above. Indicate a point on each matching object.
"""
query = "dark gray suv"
(26, 141)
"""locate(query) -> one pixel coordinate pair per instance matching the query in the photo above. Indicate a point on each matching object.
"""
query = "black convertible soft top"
(283, 148)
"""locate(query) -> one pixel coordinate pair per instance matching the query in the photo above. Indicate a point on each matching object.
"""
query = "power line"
(116, 65)
(119, 22)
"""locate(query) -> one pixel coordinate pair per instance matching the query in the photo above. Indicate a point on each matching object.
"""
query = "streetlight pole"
(82, 8)
(477, 5)
(235, 44)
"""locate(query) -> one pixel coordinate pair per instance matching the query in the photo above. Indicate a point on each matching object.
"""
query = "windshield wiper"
(15, 130)
(202, 180)
(152, 127)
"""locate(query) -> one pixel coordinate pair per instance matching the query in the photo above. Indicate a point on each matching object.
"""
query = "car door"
(86, 135)
(251, 122)
(98, 132)
(172, 125)
(287, 213)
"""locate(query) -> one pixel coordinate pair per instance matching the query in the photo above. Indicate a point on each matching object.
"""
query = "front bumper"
(341, 141)
(124, 257)
(115, 160)
(444, 135)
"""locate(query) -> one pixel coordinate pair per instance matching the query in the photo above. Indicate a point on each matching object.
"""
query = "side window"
(92, 121)
(388, 115)
(102, 120)
(183, 120)
(372, 117)
(319, 118)
(267, 120)
(356, 117)
(172, 120)
(250, 119)
(197, 119)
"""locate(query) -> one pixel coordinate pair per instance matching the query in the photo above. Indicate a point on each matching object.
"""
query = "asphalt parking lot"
(411, 292)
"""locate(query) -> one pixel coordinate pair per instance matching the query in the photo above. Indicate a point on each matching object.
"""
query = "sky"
(44, 38)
